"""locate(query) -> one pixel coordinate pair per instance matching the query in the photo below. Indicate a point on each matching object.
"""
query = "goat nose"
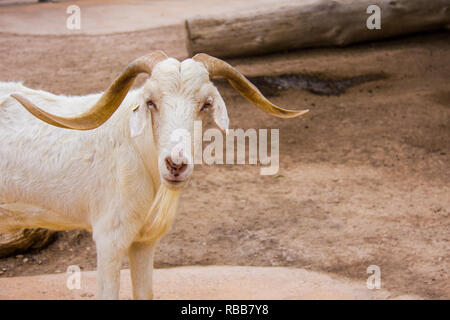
(175, 168)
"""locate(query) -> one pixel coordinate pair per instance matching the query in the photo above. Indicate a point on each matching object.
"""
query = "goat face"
(175, 96)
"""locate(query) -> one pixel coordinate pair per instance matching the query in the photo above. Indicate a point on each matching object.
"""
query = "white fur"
(103, 180)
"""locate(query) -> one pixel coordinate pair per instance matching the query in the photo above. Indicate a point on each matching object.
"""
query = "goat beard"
(161, 213)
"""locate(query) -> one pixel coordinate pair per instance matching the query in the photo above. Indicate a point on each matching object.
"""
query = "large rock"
(22, 240)
(211, 283)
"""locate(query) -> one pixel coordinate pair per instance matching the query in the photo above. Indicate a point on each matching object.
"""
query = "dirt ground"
(112, 16)
(364, 178)
(204, 282)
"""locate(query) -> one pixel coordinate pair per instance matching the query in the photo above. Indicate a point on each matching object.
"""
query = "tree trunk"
(311, 23)
(23, 240)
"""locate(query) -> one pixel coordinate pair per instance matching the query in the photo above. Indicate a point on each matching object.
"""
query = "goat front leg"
(141, 268)
(112, 245)
(108, 271)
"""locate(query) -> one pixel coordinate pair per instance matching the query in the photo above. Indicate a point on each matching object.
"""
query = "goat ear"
(220, 113)
(138, 120)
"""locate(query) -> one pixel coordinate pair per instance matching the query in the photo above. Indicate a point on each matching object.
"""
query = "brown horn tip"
(217, 67)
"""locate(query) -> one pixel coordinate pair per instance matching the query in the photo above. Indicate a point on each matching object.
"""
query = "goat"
(117, 178)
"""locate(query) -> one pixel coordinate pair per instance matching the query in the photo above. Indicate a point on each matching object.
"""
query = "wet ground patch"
(320, 85)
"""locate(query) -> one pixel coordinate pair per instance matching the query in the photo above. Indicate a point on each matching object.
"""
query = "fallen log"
(22, 240)
(311, 23)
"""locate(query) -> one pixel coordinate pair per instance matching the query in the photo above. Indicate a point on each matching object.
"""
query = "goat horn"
(108, 102)
(217, 67)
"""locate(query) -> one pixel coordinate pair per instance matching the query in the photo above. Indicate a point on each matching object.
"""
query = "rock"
(22, 240)
(211, 282)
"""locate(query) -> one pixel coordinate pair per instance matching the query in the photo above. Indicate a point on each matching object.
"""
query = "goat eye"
(151, 104)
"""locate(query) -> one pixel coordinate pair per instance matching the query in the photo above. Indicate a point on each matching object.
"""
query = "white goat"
(121, 179)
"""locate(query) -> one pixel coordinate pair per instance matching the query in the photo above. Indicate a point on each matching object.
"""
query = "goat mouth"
(174, 181)
(174, 184)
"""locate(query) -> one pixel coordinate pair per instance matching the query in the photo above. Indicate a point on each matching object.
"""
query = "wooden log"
(311, 23)
(22, 240)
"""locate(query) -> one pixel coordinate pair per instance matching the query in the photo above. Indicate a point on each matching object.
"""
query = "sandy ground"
(112, 16)
(364, 177)
(194, 283)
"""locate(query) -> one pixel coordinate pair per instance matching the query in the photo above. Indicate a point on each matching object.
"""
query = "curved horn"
(108, 102)
(217, 67)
